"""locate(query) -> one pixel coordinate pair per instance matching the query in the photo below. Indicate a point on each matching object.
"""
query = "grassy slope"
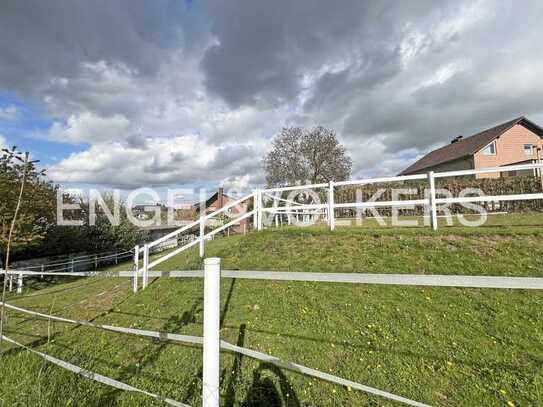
(437, 345)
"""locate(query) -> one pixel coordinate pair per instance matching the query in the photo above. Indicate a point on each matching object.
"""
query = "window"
(490, 149)
(528, 149)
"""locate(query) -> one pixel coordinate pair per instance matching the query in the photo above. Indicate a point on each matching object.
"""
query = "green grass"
(441, 346)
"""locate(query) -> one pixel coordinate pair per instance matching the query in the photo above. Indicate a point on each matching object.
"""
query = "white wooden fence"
(63, 268)
(292, 208)
(431, 201)
(200, 224)
(212, 274)
(212, 344)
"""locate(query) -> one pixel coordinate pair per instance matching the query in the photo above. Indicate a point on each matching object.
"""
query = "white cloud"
(9, 113)
(386, 79)
(240, 182)
(90, 128)
(161, 161)
(145, 129)
(3, 142)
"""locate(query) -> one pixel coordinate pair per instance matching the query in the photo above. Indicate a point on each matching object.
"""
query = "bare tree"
(306, 155)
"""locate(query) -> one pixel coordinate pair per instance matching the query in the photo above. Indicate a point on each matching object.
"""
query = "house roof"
(209, 201)
(469, 145)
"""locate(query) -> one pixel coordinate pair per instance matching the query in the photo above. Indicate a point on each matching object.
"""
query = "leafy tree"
(20, 208)
(35, 232)
(26, 196)
(306, 155)
(105, 236)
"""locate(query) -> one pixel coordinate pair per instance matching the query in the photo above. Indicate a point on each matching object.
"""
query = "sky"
(132, 93)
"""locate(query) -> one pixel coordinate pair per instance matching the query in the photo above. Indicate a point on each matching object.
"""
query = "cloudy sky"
(114, 93)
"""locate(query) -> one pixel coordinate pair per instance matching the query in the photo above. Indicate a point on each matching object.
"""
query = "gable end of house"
(461, 154)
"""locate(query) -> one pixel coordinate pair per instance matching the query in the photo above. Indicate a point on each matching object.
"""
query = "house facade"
(219, 200)
(517, 141)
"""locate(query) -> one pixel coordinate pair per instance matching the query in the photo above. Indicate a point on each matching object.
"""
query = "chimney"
(457, 139)
(221, 197)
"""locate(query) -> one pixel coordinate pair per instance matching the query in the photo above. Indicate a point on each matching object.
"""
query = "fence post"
(359, 210)
(255, 209)
(145, 265)
(331, 214)
(540, 169)
(202, 233)
(20, 283)
(275, 215)
(259, 201)
(42, 270)
(10, 282)
(136, 267)
(95, 262)
(433, 207)
(212, 284)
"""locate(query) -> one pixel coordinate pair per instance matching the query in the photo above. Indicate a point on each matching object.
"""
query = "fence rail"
(431, 201)
(62, 268)
(200, 240)
(327, 209)
(213, 273)
(79, 260)
(212, 344)
(94, 376)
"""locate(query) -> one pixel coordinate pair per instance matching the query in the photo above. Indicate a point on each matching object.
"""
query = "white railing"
(327, 209)
(76, 261)
(431, 201)
(211, 341)
(212, 344)
(202, 237)
(293, 208)
(58, 268)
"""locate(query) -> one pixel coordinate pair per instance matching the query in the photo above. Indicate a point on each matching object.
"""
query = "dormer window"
(490, 149)
(528, 149)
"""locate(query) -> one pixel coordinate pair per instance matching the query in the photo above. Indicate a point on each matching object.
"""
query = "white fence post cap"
(211, 261)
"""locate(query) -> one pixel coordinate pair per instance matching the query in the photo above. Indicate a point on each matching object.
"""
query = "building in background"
(218, 200)
(518, 141)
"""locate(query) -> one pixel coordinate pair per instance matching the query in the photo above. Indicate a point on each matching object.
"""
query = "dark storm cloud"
(264, 49)
(129, 78)
(42, 39)
(492, 78)
(136, 141)
(238, 159)
(371, 70)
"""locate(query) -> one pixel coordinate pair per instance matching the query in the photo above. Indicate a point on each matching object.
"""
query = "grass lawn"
(440, 346)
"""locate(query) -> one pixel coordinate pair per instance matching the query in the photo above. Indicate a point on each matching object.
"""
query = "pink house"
(518, 141)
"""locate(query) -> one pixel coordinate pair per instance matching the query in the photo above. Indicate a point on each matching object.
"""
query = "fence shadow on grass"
(235, 377)
(264, 393)
(150, 353)
(196, 384)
